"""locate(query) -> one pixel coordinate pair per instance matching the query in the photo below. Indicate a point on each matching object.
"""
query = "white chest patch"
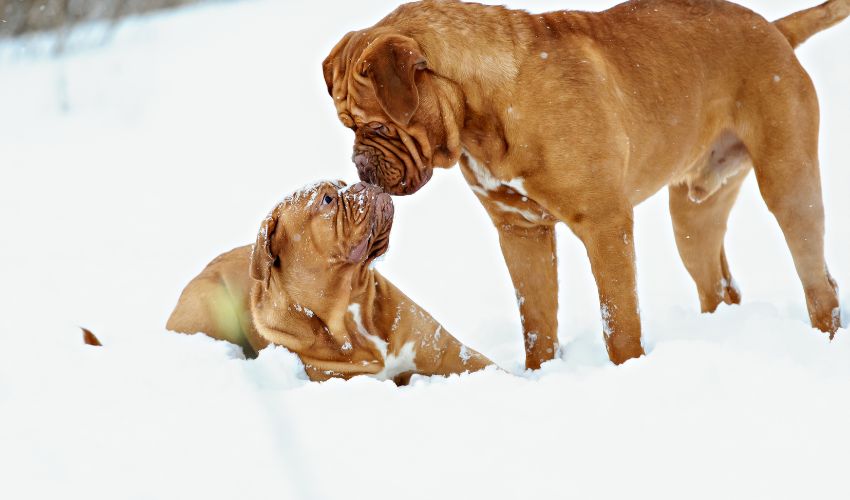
(518, 185)
(488, 182)
(483, 176)
(528, 215)
(394, 364)
(508, 196)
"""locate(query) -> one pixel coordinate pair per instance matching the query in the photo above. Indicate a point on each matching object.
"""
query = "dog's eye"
(380, 128)
(327, 200)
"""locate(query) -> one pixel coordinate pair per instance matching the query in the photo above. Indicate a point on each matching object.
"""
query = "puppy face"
(383, 90)
(321, 228)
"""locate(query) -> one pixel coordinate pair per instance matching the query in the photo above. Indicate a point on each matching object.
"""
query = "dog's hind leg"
(784, 150)
(700, 227)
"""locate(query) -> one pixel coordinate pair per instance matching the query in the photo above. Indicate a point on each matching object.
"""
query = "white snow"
(605, 313)
(168, 145)
(464, 354)
(306, 310)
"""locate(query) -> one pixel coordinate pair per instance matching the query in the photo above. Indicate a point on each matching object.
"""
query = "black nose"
(365, 168)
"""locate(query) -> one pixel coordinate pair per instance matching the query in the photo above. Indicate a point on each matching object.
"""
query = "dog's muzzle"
(383, 207)
(367, 168)
(401, 183)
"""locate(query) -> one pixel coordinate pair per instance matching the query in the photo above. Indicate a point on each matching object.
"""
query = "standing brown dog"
(578, 117)
(306, 284)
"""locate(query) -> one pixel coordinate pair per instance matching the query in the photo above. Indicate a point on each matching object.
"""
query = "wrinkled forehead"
(347, 89)
(304, 199)
(342, 58)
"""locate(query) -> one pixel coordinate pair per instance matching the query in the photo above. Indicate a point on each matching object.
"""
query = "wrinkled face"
(383, 91)
(321, 227)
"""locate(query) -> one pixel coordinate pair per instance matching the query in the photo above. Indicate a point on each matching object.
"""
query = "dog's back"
(217, 303)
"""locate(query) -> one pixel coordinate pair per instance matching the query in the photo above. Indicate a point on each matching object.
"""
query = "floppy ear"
(332, 61)
(261, 255)
(391, 63)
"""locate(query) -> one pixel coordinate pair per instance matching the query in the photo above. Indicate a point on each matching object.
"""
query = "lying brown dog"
(306, 284)
(578, 117)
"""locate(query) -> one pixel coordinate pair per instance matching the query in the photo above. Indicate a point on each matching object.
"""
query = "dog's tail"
(799, 26)
(89, 338)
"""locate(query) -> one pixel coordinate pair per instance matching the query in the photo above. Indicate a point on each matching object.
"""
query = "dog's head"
(383, 90)
(320, 229)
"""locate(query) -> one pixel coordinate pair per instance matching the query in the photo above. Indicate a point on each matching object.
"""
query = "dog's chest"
(507, 201)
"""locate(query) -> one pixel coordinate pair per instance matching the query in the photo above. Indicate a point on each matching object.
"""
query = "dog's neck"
(311, 313)
(475, 90)
(479, 79)
(325, 298)
(430, 22)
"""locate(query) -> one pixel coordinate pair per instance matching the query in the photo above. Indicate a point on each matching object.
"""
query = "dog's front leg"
(533, 265)
(610, 247)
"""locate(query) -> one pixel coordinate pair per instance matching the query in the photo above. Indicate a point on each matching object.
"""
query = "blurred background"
(25, 16)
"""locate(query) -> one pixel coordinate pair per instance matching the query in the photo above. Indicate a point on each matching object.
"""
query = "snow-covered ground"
(127, 166)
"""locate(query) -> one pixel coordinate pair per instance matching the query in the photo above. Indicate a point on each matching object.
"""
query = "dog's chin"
(374, 245)
(394, 176)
